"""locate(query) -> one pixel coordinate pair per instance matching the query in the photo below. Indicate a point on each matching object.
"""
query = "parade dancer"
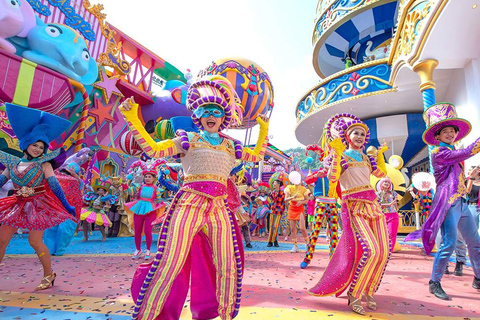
(145, 208)
(31, 207)
(200, 205)
(450, 212)
(262, 209)
(325, 206)
(388, 200)
(98, 202)
(473, 185)
(362, 253)
(296, 197)
(277, 209)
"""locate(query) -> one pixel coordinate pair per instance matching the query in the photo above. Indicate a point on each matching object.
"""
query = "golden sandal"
(371, 303)
(355, 304)
(47, 282)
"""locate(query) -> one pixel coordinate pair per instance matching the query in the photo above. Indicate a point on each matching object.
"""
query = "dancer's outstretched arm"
(152, 148)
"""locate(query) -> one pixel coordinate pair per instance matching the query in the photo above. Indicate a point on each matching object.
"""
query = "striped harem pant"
(192, 213)
(370, 228)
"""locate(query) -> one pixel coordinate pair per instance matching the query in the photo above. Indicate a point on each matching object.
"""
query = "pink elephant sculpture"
(16, 19)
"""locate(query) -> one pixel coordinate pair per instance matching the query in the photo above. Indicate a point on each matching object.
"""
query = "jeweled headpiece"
(214, 90)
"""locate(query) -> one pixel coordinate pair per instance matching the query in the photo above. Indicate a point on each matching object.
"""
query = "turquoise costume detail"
(149, 199)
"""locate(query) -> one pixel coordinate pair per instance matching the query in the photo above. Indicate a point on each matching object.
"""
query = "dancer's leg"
(138, 221)
(6, 234)
(303, 228)
(186, 221)
(274, 225)
(35, 241)
(332, 216)
(371, 254)
(380, 229)
(220, 236)
(319, 213)
(149, 218)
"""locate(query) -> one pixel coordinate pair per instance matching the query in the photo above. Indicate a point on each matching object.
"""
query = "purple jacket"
(450, 180)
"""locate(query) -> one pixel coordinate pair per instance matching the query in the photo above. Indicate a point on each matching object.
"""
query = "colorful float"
(64, 58)
(377, 59)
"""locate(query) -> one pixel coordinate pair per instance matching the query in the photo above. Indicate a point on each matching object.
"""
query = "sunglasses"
(215, 112)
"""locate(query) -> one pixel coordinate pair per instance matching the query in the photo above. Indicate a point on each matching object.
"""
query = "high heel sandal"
(47, 282)
(355, 304)
(371, 303)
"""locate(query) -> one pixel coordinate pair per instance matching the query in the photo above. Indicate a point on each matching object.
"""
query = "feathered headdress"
(151, 167)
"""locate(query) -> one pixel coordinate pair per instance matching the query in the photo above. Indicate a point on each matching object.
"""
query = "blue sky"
(190, 34)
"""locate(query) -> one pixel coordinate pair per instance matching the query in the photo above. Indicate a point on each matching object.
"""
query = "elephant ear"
(91, 76)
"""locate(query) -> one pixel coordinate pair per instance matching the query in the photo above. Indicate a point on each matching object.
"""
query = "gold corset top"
(356, 177)
(205, 162)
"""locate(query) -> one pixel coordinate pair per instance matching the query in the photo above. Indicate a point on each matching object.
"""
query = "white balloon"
(295, 177)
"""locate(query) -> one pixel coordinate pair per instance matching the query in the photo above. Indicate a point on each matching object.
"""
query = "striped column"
(83, 119)
(424, 69)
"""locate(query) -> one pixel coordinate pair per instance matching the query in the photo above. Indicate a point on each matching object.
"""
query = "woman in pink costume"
(388, 200)
(145, 207)
(32, 207)
(200, 206)
(361, 256)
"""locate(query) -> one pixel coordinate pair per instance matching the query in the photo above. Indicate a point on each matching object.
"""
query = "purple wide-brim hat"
(209, 92)
(441, 115)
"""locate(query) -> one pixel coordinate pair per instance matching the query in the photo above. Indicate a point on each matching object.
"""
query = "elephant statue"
(60, 48)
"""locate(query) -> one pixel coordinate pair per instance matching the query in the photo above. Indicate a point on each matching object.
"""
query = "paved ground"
(93, 282)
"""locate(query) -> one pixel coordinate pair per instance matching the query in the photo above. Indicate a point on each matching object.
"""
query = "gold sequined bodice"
(205, 162)
(356, 178)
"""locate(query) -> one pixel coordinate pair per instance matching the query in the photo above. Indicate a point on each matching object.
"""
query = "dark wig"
(440, 130)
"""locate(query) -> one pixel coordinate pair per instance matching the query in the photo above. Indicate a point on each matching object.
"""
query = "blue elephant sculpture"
(58, 47)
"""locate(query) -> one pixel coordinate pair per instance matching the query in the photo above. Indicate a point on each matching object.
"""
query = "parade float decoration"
(16, 19)
(388, 61)
(251, 83)
(59, 48)
(64, 58)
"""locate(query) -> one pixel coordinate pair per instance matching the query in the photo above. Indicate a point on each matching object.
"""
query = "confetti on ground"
(93, 282)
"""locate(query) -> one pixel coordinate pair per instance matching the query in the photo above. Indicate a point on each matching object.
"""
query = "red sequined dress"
(31, 207)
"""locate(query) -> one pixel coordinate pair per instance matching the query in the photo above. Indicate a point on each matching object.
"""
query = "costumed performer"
(200, 205)
(388, 200)
(237, 176)
(361, 256)
(117, 215)
(277, 209)
(450, 212)
(31, 207)
(422, 194)
(296, 196)
(325, 206)
(149, 200)
(98, 202)
(473, 184)
(262, 211)
(59, 237)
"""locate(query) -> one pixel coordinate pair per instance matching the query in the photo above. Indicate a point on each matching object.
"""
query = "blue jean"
(461, 246)
(458, 218)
